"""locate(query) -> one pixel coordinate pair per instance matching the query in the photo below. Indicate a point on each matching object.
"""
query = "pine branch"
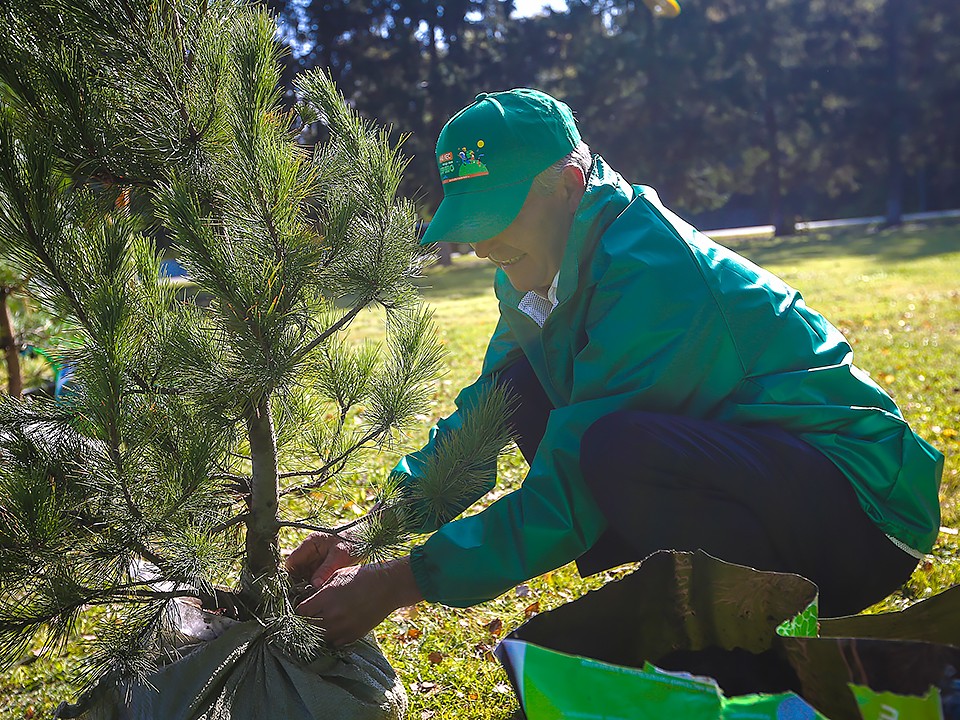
(244, 479)
(232, 522)
(13, 625)
(339, 530)
(146, 389)
(383, 533)
(159, 74)
(32, 235)
(152, 556)
(333, 329)
(115, 443)
(300, 525)
(126, 650)
(327, 468)
(462, 462)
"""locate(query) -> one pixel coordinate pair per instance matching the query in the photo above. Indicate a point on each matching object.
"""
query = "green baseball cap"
(488, 155)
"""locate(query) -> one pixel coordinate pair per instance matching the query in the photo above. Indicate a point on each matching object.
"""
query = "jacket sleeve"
(501, 351)
(645, 349)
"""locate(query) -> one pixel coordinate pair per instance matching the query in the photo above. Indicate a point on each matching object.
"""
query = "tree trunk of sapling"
(262, 543)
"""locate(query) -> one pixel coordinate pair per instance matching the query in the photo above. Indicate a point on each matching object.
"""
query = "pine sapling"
(200, 433)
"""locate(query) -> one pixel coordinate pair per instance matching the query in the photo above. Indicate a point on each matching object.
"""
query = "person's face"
(531, 248)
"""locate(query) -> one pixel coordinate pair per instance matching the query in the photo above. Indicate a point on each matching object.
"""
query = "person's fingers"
(325, 570)
(322, 610)
(345, 608)
(338, 556)
(311, 552)
(355, 599)
(301, 554)
(310, 607)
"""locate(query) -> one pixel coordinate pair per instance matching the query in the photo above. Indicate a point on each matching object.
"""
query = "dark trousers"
(753, 496)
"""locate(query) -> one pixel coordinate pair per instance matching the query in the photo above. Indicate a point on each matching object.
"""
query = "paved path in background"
(761, 230)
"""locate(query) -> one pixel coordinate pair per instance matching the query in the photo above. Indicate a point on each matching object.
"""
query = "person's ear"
(573, 185)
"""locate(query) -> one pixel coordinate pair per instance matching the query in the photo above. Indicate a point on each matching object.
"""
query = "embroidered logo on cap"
(463, 164)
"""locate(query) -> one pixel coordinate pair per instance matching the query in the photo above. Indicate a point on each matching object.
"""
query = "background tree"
(642, 93)
(196, 434)
(714, 108)
(408, 63)
(895, 16)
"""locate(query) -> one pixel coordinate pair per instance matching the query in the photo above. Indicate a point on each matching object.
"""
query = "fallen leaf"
(412, 633)
(530, 610)
(435, 657)
(494, 626)
(408, 613)
(485, 652)
(523, 590)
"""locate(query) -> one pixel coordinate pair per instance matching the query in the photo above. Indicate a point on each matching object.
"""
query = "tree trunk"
(262, 545)
(777, 216)
(769, 67)
(895, 172)
(8, 344)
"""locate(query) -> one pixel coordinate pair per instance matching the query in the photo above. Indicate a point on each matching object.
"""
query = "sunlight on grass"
(895, 296)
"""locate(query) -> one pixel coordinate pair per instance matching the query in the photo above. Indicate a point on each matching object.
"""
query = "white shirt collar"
(552, 290)
(537, 307)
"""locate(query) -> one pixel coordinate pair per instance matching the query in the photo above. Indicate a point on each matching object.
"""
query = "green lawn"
(894, 294)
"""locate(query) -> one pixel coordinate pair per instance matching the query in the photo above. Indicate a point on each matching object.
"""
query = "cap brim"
(472, 217)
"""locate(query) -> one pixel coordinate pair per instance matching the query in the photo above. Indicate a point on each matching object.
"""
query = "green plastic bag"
(689, 636)
(546, 692)
(890, 706)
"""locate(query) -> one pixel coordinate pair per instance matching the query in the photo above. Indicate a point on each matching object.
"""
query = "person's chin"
(520, 283)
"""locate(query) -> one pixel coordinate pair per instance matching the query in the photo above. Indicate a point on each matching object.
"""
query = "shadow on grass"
(909, 242)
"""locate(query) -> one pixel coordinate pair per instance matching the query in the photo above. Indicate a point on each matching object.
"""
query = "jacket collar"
(607, 195)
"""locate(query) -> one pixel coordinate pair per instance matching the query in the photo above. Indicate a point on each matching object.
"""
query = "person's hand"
(357, 599)
(319, 556)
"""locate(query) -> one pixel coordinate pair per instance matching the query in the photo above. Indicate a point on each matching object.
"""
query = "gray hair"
(547, 181)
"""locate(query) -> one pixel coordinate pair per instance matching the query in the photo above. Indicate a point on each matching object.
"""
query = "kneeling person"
(673, 395)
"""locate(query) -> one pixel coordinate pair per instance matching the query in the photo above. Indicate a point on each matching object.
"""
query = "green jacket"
(653, 315)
